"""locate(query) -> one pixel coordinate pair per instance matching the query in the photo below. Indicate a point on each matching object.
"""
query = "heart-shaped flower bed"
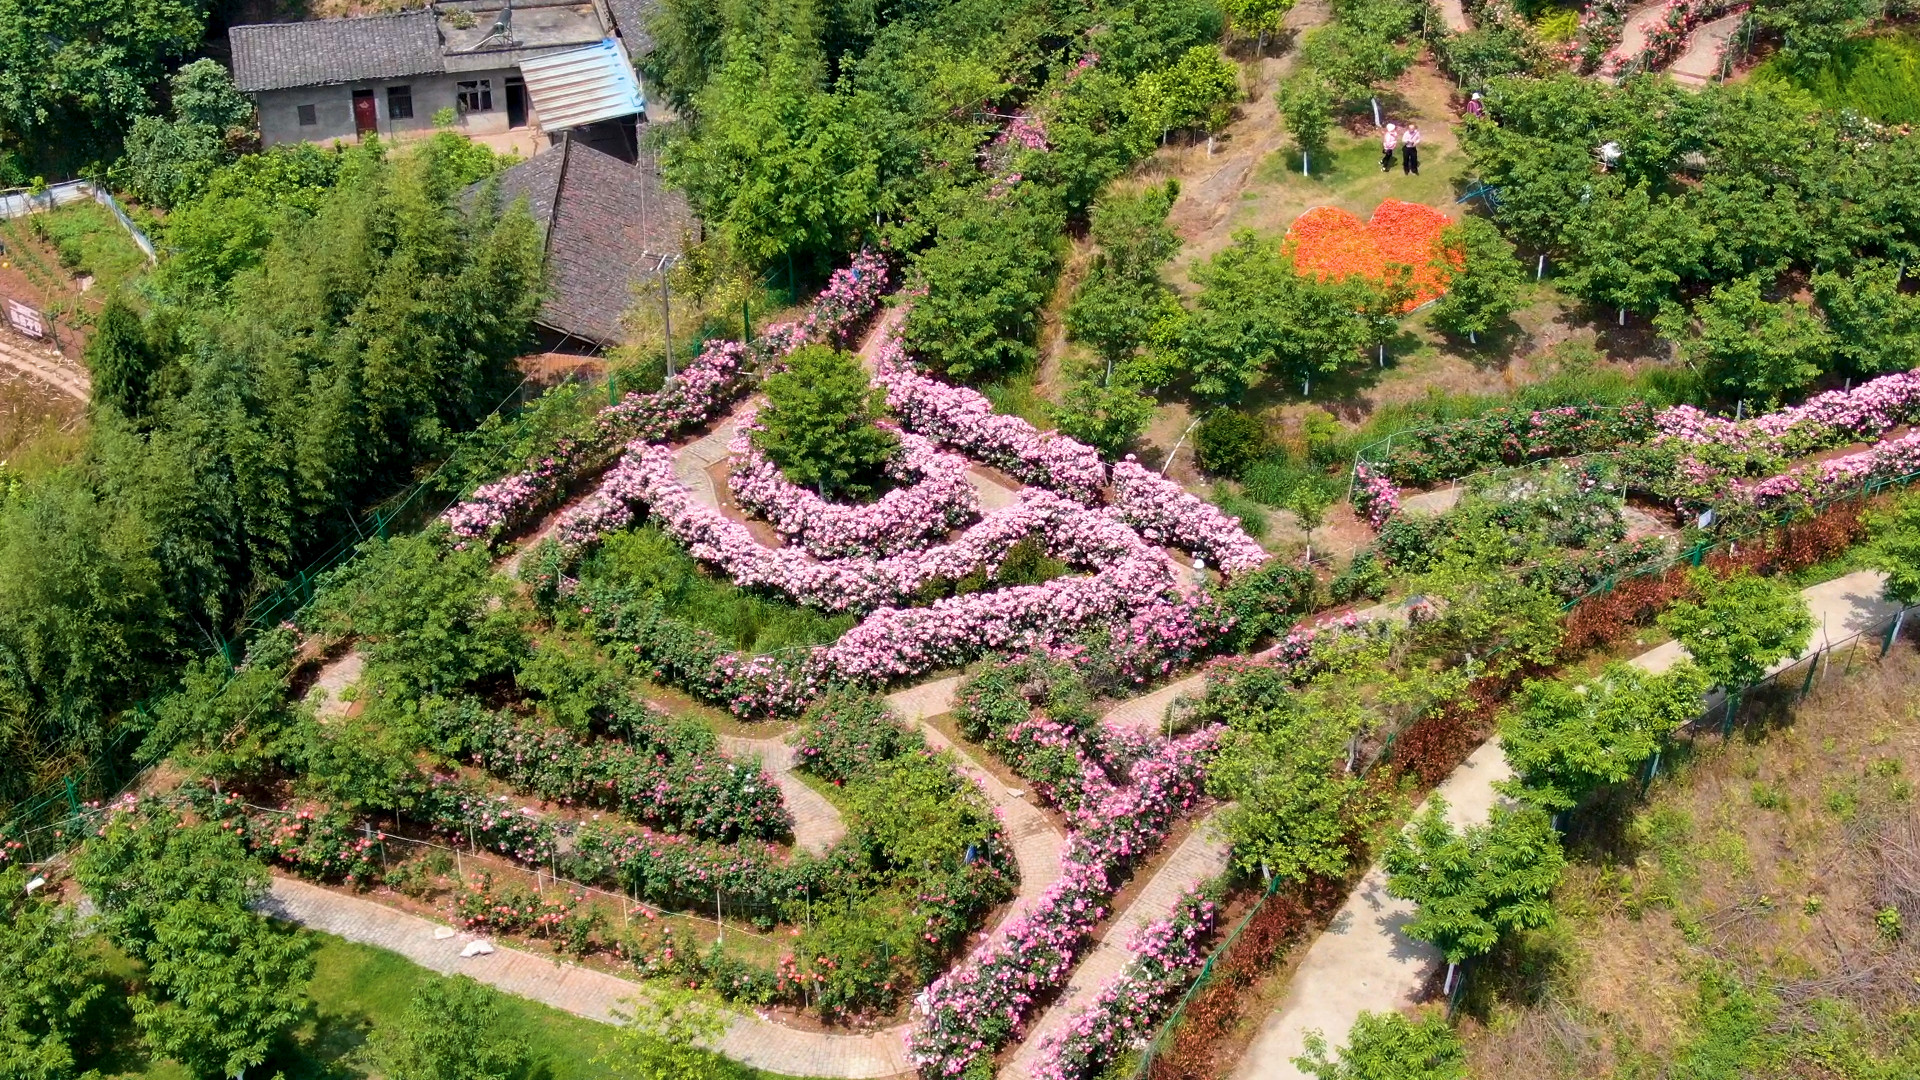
(1328, 242)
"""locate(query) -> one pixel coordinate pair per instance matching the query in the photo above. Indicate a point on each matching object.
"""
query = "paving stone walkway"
(1200, 858)
(1454, 14)
(336, 678)
(1639, 27)
(1699, 62)
(1363, 962)
(691, 462)
(817, 823)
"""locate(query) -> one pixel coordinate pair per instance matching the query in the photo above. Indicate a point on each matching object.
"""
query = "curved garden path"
(1699, 62)
(1638, 27)
(817, 823)
(1363, 962)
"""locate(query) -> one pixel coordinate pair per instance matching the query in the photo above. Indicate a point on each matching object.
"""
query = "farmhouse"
(493, 65)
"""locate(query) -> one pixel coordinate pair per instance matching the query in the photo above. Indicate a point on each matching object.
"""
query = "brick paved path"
(1700, 61)
(1362, 961)
(1200, 858)
(817, 823)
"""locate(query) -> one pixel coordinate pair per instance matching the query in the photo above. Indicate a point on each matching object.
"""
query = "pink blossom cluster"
(1374, 496)
(1167, 513)
(1123, 1014)
(1167, 634)
(979, 1006)
(691, 397)
(1823, 480)
(1833, 418)
(963, 419)
(646, 476)
(935, 499)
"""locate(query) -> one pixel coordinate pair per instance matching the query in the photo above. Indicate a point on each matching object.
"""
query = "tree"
(1873, 325)
(78, 72)
(1123, 295)
(228, 984)
(146, 863)
(1747, 347)
(984, 278)
(1256, 18)
(1297, 810)
(1107, 415)
(1484, 278)
(658, 1040)
(1740, 626)
(1896, 551)
(232, 724)
(1306, 105)
(1628, 249)
(1812, 31)
(1564, 740)
(450, 1031)
(1227, 441)
(819, 423)
(1256, 314)
(168, 161)
(1388, 1046)
(1474, 885)
(121, 359)
(203, 93)
(49, 978)
(1197, 90)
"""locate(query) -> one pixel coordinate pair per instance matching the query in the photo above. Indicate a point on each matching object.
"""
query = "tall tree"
(1306, 105)
(1565, 739)
(1475, 884)
(1255, 314)
(450, 1030)
(1740, 626)
(1123, 295)
(145, 863)
(1874, 325)
(50, 976)
(228, 984)
(982, 282)
(819, 423)
(1484, 278)
(1747, 346)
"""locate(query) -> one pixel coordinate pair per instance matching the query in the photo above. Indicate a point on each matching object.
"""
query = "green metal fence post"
(1806, 687)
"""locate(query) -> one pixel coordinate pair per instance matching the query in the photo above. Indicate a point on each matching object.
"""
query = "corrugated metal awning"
(581, 86)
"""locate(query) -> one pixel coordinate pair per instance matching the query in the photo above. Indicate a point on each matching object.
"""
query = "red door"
(365, 119)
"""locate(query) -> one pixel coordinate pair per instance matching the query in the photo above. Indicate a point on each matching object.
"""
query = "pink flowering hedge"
(1127, 1009)
(1167, 513)
(1374, 496)
(964, 419)
(979, 1006)
(1821, 481)
(935, 498)
(1834, 418)
(690, 398)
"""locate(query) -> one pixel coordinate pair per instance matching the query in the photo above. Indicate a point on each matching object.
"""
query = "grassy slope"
(356, 987)
(1876, 75)
(1727, 925)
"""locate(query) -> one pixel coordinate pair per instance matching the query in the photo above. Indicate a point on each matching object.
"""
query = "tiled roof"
(606, 224)
(631, 17)
(280, 56)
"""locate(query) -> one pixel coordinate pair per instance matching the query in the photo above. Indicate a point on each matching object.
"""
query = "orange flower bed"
(1328, 242)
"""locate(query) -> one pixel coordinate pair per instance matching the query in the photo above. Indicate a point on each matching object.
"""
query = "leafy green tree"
(1105, 415)
(1306, 105)
(1896, 550)
(1227, 441)
(235, 724)
(1198, 90)
(1746, 346)
(1123, 295)
(1388, 1046)
(167, 161)
(203, 93)
(50, 977)
(1628, 249)
(122, 359)
(1474, 885)
(1297, 811)
(819, 423)
(223, 985)
(1255, 315)
(660, 1039)
(1874, 326)
(145, 863)
(430, 617)
(1256, 18)
(1740, 626)
(245, 205)
(1484, 278)
(1811, 31)
(990, 268)
(1564, 740)
(79, 72)
(450, 1030)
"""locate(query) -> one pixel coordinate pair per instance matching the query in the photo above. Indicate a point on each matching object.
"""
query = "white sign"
(26, 320)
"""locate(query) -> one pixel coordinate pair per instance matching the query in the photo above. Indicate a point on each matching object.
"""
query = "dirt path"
(43, 366)
(1363, 962)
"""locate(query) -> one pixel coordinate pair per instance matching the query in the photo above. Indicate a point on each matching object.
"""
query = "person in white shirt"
(1388, 140)
(1410, 150)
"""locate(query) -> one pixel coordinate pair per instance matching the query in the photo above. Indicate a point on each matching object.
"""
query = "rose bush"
(1374, 496)
(1169, 514)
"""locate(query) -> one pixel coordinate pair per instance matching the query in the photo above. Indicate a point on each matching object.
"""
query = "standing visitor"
(1388, 139)
(1410, 150)
(1474, 108)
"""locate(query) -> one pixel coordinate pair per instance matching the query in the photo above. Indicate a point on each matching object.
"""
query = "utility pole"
(666, 310)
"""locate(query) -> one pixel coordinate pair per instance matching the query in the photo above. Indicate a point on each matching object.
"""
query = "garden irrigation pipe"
(1165, 465)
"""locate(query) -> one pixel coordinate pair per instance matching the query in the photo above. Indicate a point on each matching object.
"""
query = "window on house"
(307, 117)
(399, 102)
(476, 96)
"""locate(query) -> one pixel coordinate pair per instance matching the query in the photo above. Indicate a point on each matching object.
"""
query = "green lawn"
(356, 988)
(89, 240)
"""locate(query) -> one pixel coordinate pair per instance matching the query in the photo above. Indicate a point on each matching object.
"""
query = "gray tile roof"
(606, 224)
(631, 17)
(281, 56)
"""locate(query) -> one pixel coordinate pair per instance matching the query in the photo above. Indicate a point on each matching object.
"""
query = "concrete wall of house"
(333, 108)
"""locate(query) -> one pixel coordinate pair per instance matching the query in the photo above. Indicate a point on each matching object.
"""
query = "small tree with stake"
(1564, 740)
(1306, 104)
(1484, 278)
(1740, 626)
(1476, 884)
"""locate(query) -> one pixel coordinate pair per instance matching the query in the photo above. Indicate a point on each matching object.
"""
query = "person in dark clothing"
(1410, 150)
